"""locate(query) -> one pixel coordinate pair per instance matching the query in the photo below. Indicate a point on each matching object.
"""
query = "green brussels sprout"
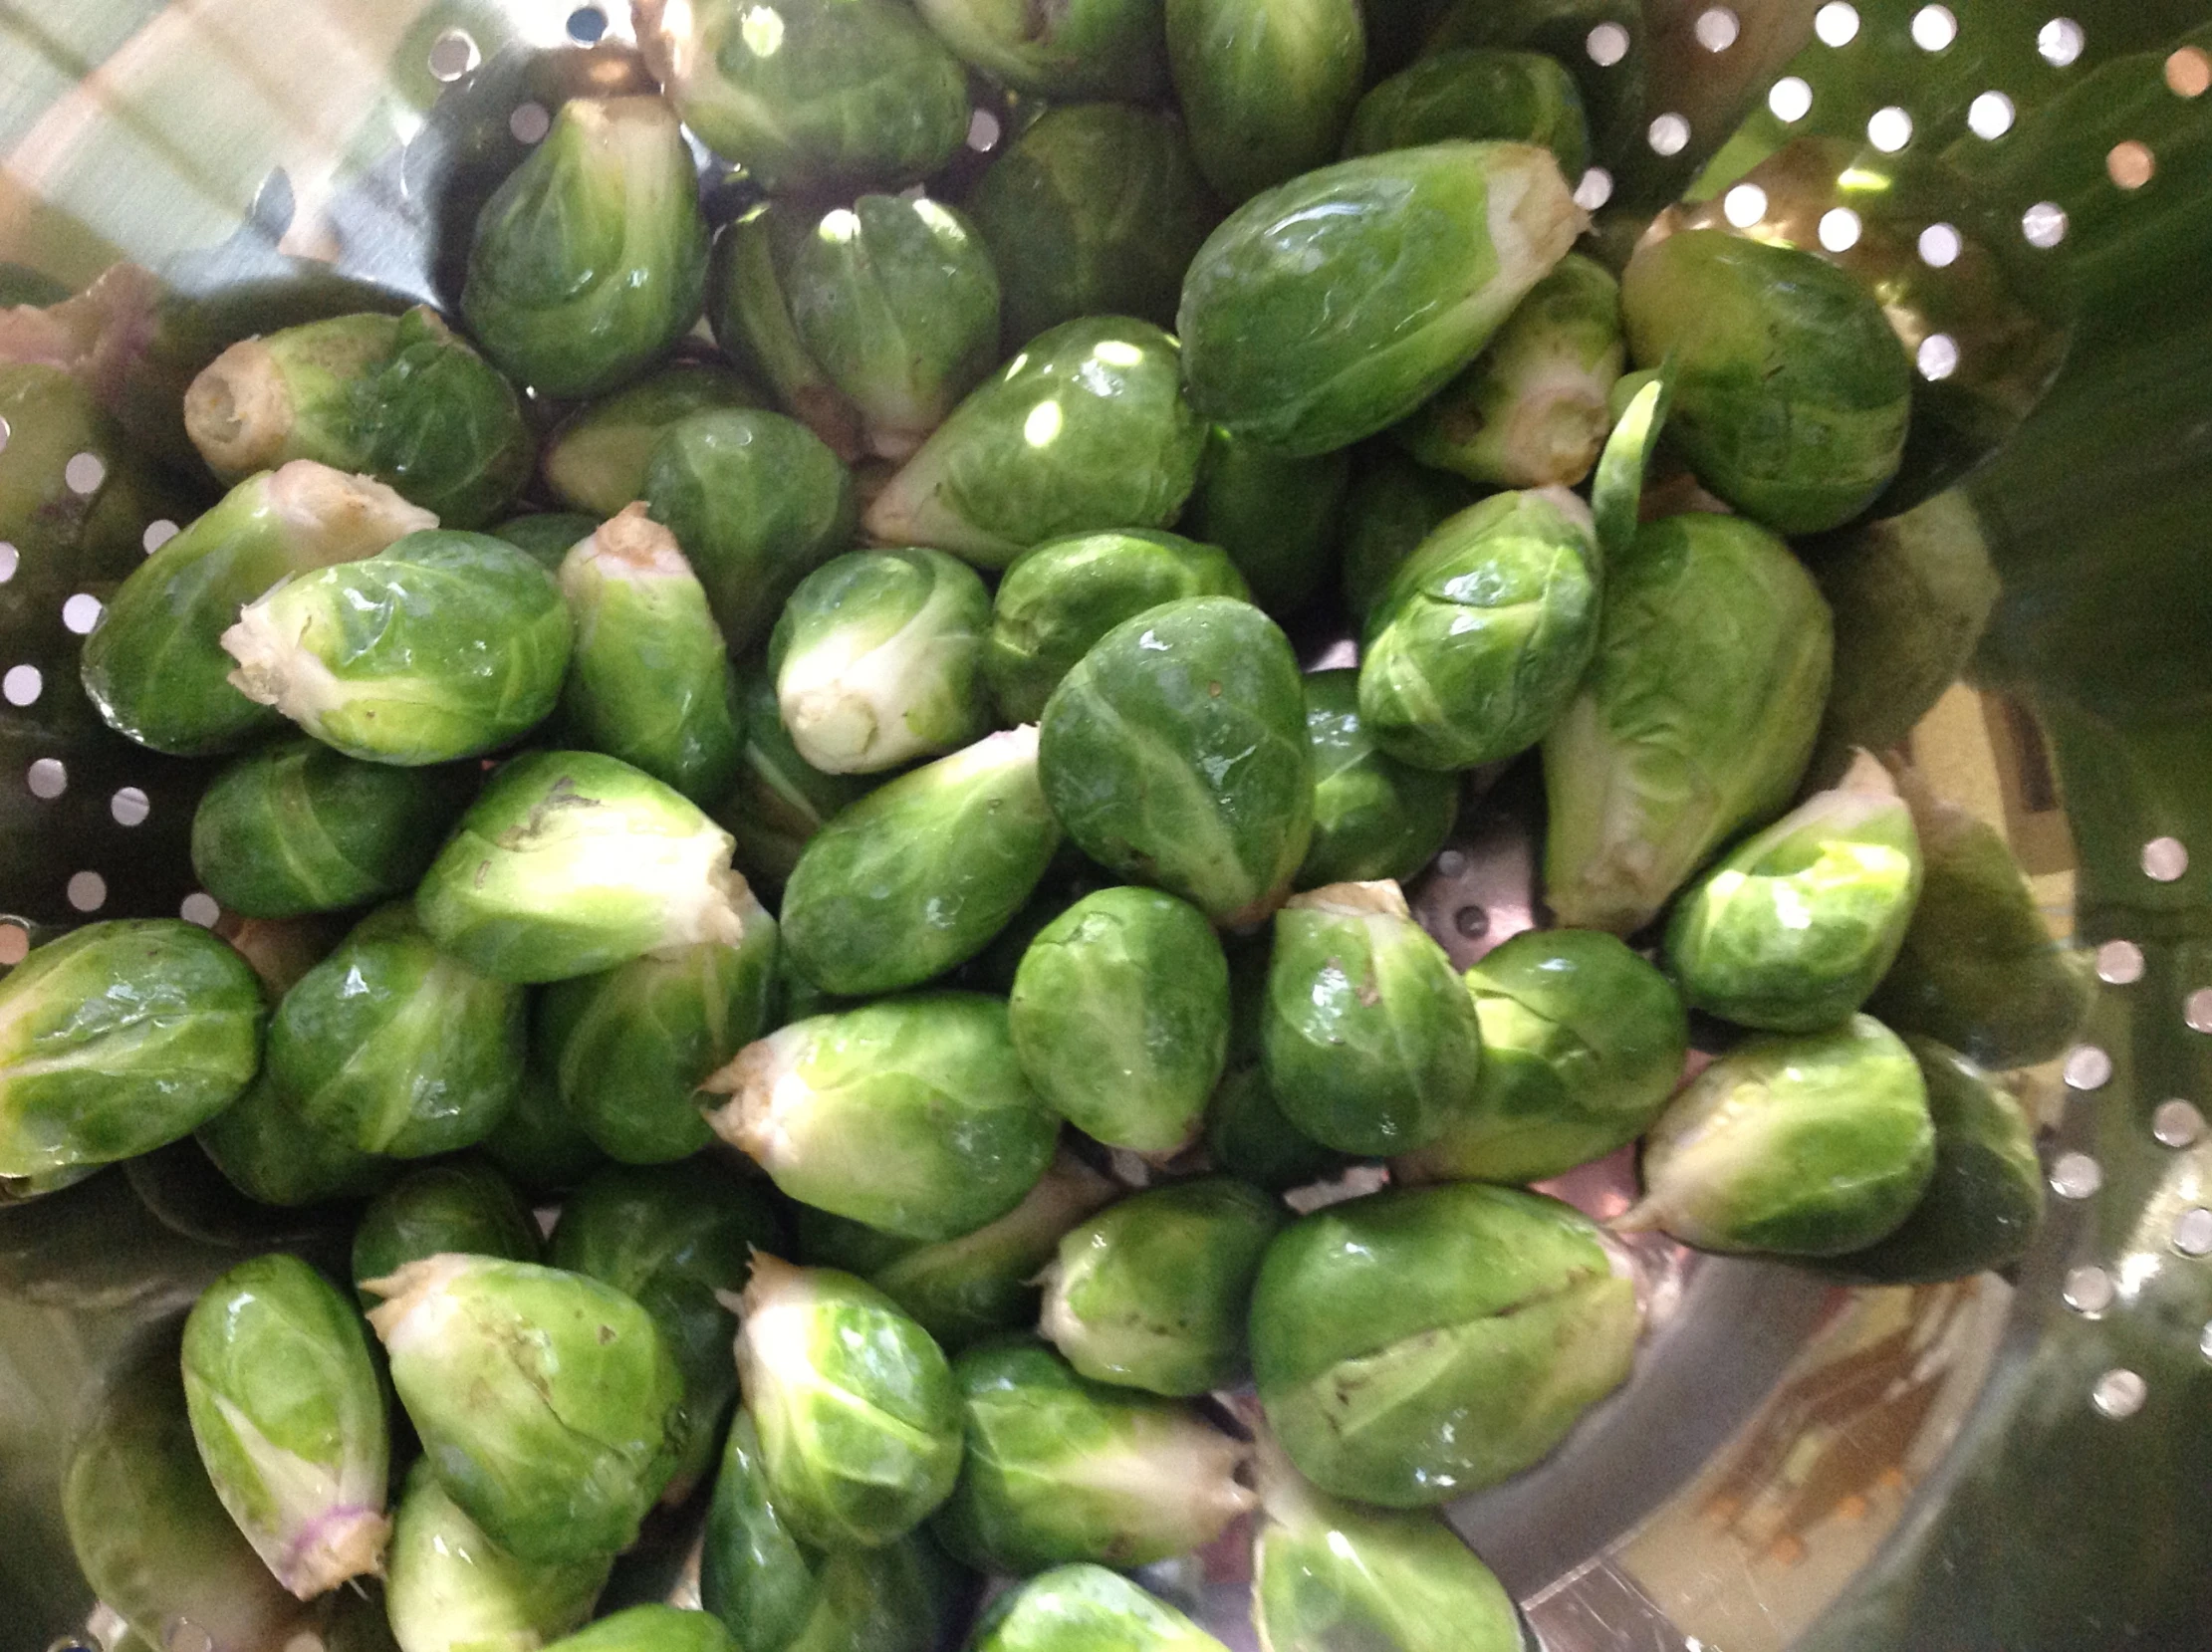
(878, 660)
(1266, 84)
(1695, 719)
(1175, 751)
(449, 1588)
(1058, 599)
(920, 874)
(119, 1038)
(571, 862)
(440, 646)
(1391, 507)
(1327, 1573)
(590, 262)
(1121, 1016)
(1248, 1136)
(1466, 92)
(1984, 1198)
(1094, 209)
(1582, 1042)
(1094, 49)
(1274, 516)
(858, 1418)
(1790, 391)
(1533, 410)
(813, 97)
(149, 1535)
(594, 462)
(910, 1114)
(539, 1142)
(1790, 930)
(396, 397)
(458, 1205)
(156, 666)
(1485, 632)
(650, 1628)
(546, 537)
(289, 1417)
(1086, 429)
(1330, 307)
(898, 301)
(1153, 1292)
(749, 310)
(1612, 92)
(543, 1398)
(1371, 1041)
(629, 1046)
(678, 1239)
(1086, 1608)
(650, 681)
(1805, 1144)
(1373, 816)
(1978, 969)
(779, 800)
(267, 1148)
(295, 827)
(757, 503)
(1061, 1469)
(1413, 1346)
(960, 1290)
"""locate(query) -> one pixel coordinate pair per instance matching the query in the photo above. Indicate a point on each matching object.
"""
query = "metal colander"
(1997, 1465)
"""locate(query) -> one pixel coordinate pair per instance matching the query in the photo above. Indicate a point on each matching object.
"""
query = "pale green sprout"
(450, 1588)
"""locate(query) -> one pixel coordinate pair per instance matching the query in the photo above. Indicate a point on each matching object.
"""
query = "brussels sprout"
(146, 1528)
(1274, 516)
(397, 1046)
(1797, 1144)
(1465, 93)
(1153, 1292)
(1984, 1198)
(1371, 1042)
(1330, 307)
(119, 1039)
(1121, 1016)
(539, 1142)
(649, 681)
(749, 308)
(1978, 969)
(546, 537)
(450, 1588)
(757, 503)
(878, 660)
(267, 1148)
(590, 262)
(780, 799)
(1058, 599)
(543, 1399)
(1220, 809)
(295, 827)
(154, 666)
(858, 1419)
(570, 863)
(1248, 1136)
(459, 1205)
(1093, 49)
(629, 1046)
(1484, 634)
(1327, 1573)
(1791, 390)
(1582, 1042)
(1533, 410)
(1790, 930)
(959, 1289)
(1095, 210)
(439, 647)
(910, 1114)
(1695, 719)
(678, 1239)
(1061, 1469)
(1266, 84)
(1612, 92)
(1413, 1346)
(650, 1628)
(1087, 428)
(1392, 506)
(596, 461)
(898, 301)
(920, 874)
(823, 97)
(399, 398)
(1373, 816)
(289, 1417)
(1086, 1608)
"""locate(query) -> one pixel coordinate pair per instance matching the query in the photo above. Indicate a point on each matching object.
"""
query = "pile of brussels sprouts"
(944, 613)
